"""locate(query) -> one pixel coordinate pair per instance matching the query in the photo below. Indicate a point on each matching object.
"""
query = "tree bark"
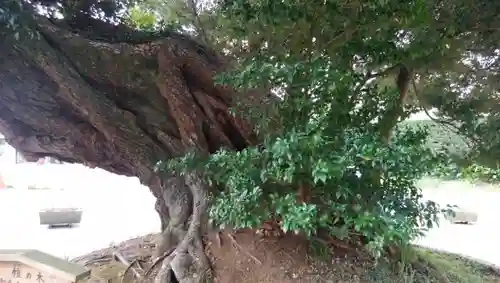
(123, 107)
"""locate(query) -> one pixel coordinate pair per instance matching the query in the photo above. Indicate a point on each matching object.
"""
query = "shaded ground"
(247, 258)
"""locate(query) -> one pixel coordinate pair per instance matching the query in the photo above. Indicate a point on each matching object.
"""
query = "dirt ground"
(245, 257)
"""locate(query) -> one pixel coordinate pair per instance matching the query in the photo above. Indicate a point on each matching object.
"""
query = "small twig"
(97, 261)
(93, 259)
(157, 261)
(129, 265)
(231, 237)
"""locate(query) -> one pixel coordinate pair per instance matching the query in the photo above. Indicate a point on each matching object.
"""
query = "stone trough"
(461, 216)
(60, 216)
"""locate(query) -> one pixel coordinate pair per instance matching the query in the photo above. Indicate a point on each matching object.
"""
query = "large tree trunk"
(122, 107)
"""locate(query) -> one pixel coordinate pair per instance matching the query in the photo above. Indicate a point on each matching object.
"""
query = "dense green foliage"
(471, 172)
(441, 137)
(325, 132)
(341, 167)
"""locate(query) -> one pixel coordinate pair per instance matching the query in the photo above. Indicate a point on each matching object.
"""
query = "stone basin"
(60, 216)
(461, 216)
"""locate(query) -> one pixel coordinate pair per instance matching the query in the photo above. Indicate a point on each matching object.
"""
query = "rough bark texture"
(123, 107)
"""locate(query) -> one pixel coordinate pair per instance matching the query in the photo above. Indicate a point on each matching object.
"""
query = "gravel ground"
(125, 209)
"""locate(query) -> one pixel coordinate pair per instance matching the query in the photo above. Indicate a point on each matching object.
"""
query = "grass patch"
(422, 265)
(454, 268)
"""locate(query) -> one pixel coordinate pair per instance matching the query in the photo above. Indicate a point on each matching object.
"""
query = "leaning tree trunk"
(123, 107)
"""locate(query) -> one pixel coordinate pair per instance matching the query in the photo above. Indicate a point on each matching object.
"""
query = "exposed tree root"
(157, 261)
(181, 250)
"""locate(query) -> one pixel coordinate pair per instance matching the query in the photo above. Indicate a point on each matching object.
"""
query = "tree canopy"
(278, 110)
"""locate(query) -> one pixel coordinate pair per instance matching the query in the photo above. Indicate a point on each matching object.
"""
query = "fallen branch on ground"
(157, 261)
(129, 265)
